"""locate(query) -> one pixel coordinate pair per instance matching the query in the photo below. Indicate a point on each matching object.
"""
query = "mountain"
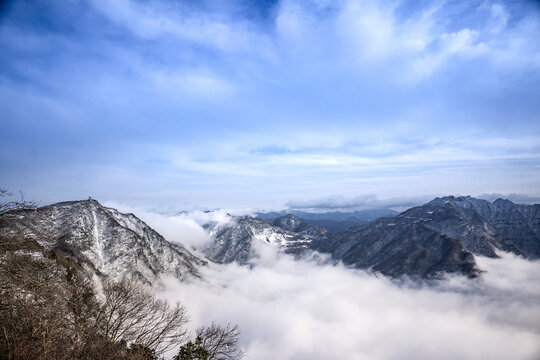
(440, 235)
(424, 241)
(400, 246)
(104, 241)
(363, 215)
(333, 221)
(516, 225)
(390, 247)
(235, 240)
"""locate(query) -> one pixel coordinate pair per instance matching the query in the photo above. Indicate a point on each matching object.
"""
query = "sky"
(268, 104)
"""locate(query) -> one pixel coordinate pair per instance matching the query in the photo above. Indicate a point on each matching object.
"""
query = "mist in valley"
(311, 309)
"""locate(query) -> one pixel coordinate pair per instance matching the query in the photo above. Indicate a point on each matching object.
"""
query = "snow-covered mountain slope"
(104, 241)
(234, 241)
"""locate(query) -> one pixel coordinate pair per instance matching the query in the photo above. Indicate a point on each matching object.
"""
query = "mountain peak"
(501, 201)
(290, 222)
(451, 198)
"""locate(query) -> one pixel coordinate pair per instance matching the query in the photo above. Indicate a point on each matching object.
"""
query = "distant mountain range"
(426, 241)
(333, 221)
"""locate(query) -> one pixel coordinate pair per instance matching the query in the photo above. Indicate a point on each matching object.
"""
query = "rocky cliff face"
(103, 240)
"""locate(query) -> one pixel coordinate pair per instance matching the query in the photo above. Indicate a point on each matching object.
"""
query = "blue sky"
(188, 104)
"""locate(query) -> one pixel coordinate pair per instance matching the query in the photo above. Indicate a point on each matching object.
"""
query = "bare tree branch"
(131, 313)
(221, 342)
(15, 204)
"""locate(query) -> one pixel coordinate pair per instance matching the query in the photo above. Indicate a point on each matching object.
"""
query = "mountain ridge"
(105, 241)
(334, 221)
(440, 236)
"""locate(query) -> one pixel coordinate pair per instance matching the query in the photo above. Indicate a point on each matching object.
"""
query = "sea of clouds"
(289, 309)
(309, 309)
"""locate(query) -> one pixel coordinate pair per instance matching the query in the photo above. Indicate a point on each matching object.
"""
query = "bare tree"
(32, 309)
(14, 204)
(213, 342)
(49, 310)
(221, 342)
(130, 313)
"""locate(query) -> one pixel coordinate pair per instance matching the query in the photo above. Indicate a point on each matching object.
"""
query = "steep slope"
(462, 223)
(531, 213)
(398, 246)
(439, 236)
(503, 224)
(105, 241)
(235, 241)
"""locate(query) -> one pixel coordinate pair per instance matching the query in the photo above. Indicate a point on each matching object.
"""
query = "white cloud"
(150, 21)
(368, 201)
(198, 83)
(241, 156)
(180, 228)
(290, 309)
(372, 30)
(373, 36)
(516, 198)
(185, 227)
(291, 22)
(499, 18)
(365, 34)
(464, 42)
